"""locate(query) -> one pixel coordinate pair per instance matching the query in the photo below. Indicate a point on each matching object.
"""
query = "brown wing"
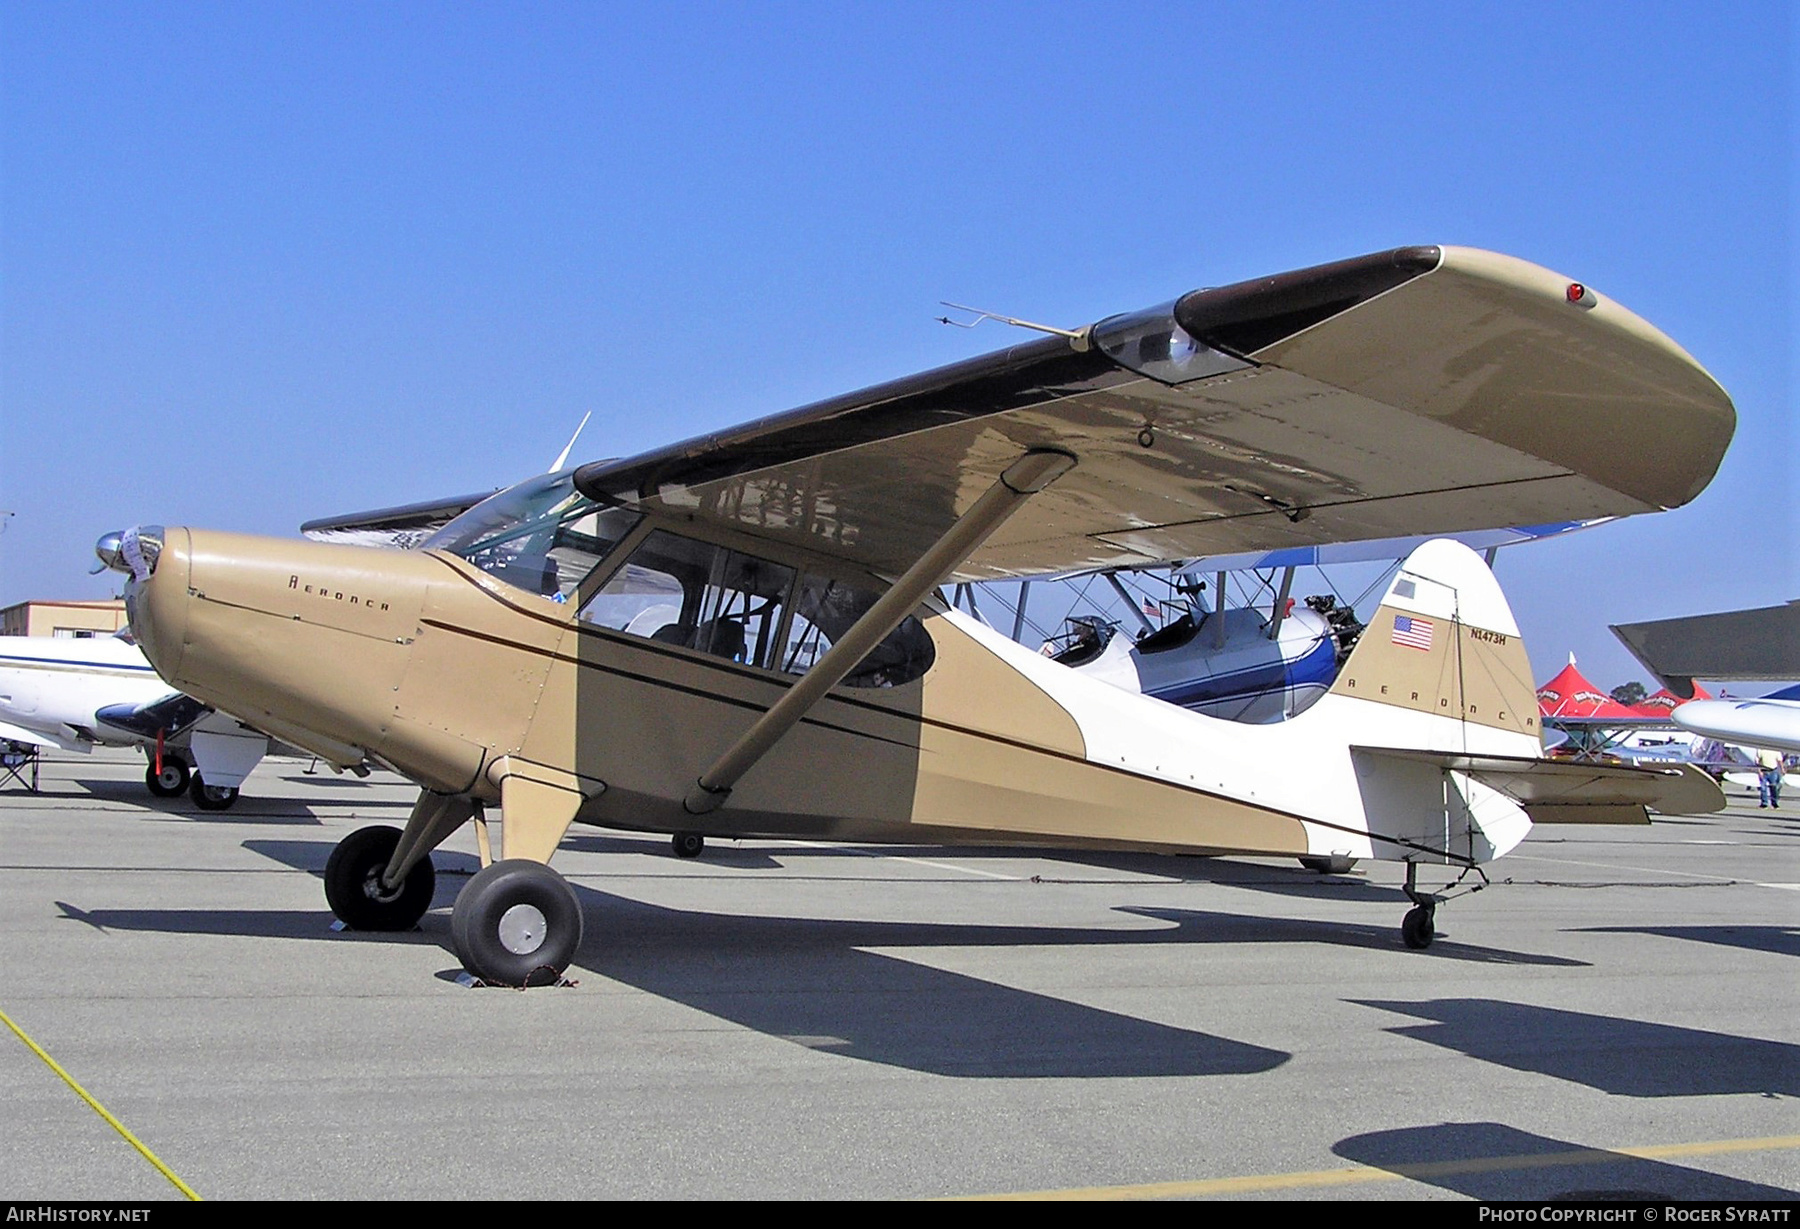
(1423, 390)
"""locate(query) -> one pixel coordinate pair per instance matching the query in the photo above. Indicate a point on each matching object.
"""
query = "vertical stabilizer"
(1443, 643)
(1440, 668)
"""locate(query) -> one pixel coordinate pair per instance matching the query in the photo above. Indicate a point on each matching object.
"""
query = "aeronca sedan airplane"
(742, 635)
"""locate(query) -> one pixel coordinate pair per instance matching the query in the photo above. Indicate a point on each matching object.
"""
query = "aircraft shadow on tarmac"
(1201, 926)
(808, 982)
(248, 809)
(1779, 940)
(311, 857)
(1628, 1058)
(814, 982)
(261, 923)
(1489, 1161)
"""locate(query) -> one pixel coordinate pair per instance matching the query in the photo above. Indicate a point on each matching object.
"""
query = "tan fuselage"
(421, 661)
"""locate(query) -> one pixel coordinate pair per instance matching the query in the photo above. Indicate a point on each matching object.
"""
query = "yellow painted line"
(1357, 1174)
(100, 1109)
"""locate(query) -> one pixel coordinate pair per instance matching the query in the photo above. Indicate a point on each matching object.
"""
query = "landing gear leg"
(517, 922)
(1419, 927)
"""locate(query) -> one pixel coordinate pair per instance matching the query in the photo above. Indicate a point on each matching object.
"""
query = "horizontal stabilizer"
(1571, 792)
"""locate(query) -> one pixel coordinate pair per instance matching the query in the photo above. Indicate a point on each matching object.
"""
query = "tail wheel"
(353, 885)
(1419, 927)
(171, 782)
(211, 797)
(516, 923)
(688, 844)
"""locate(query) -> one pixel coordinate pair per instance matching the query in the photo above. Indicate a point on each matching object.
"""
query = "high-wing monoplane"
(742, 634)
(1763, 643)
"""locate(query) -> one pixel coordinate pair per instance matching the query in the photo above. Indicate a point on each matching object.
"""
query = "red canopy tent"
(1570, 697)
(1665, 702)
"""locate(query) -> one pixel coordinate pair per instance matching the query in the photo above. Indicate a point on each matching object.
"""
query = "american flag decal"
(1412, 632)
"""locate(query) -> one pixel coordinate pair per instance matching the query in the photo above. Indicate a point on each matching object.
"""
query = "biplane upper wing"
(1417, 391)
(403, 527)
(1379, 549)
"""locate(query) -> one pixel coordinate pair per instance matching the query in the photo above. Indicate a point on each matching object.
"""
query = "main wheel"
(171, 782)
(1329, 864)
(688, 844)
(1419, 927)
(211, 797)
(353, 883)
(516, 923)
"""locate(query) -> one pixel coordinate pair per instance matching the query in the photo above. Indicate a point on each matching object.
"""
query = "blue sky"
(265, 262)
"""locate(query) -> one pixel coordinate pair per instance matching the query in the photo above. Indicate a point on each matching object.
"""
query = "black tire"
(211, 797)
(174, 780)
(1419, 927)
(516, 923)
(688, 844)
(1328, 864)
(353, 883)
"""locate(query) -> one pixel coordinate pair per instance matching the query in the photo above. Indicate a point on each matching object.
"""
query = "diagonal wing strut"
(1025, 477)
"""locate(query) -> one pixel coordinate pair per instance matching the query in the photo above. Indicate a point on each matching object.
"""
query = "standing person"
(1768, 778)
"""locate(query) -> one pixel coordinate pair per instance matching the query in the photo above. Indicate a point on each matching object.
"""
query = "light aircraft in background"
(1248, 663)
(73, 694)
(741, 634)
(1757, 644)
(1772, 721)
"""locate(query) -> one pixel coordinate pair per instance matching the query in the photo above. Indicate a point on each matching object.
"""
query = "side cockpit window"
(697, 595)
(745, 609)
(825, 609)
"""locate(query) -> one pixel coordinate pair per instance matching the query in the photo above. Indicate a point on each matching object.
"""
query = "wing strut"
(1024, 478)
(1130, 602)
(1281, 601)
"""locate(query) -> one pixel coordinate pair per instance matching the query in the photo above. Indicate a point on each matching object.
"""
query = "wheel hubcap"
(522, 929)
(374, 891)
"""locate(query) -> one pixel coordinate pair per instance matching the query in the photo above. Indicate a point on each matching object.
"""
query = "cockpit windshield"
(542, 535)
